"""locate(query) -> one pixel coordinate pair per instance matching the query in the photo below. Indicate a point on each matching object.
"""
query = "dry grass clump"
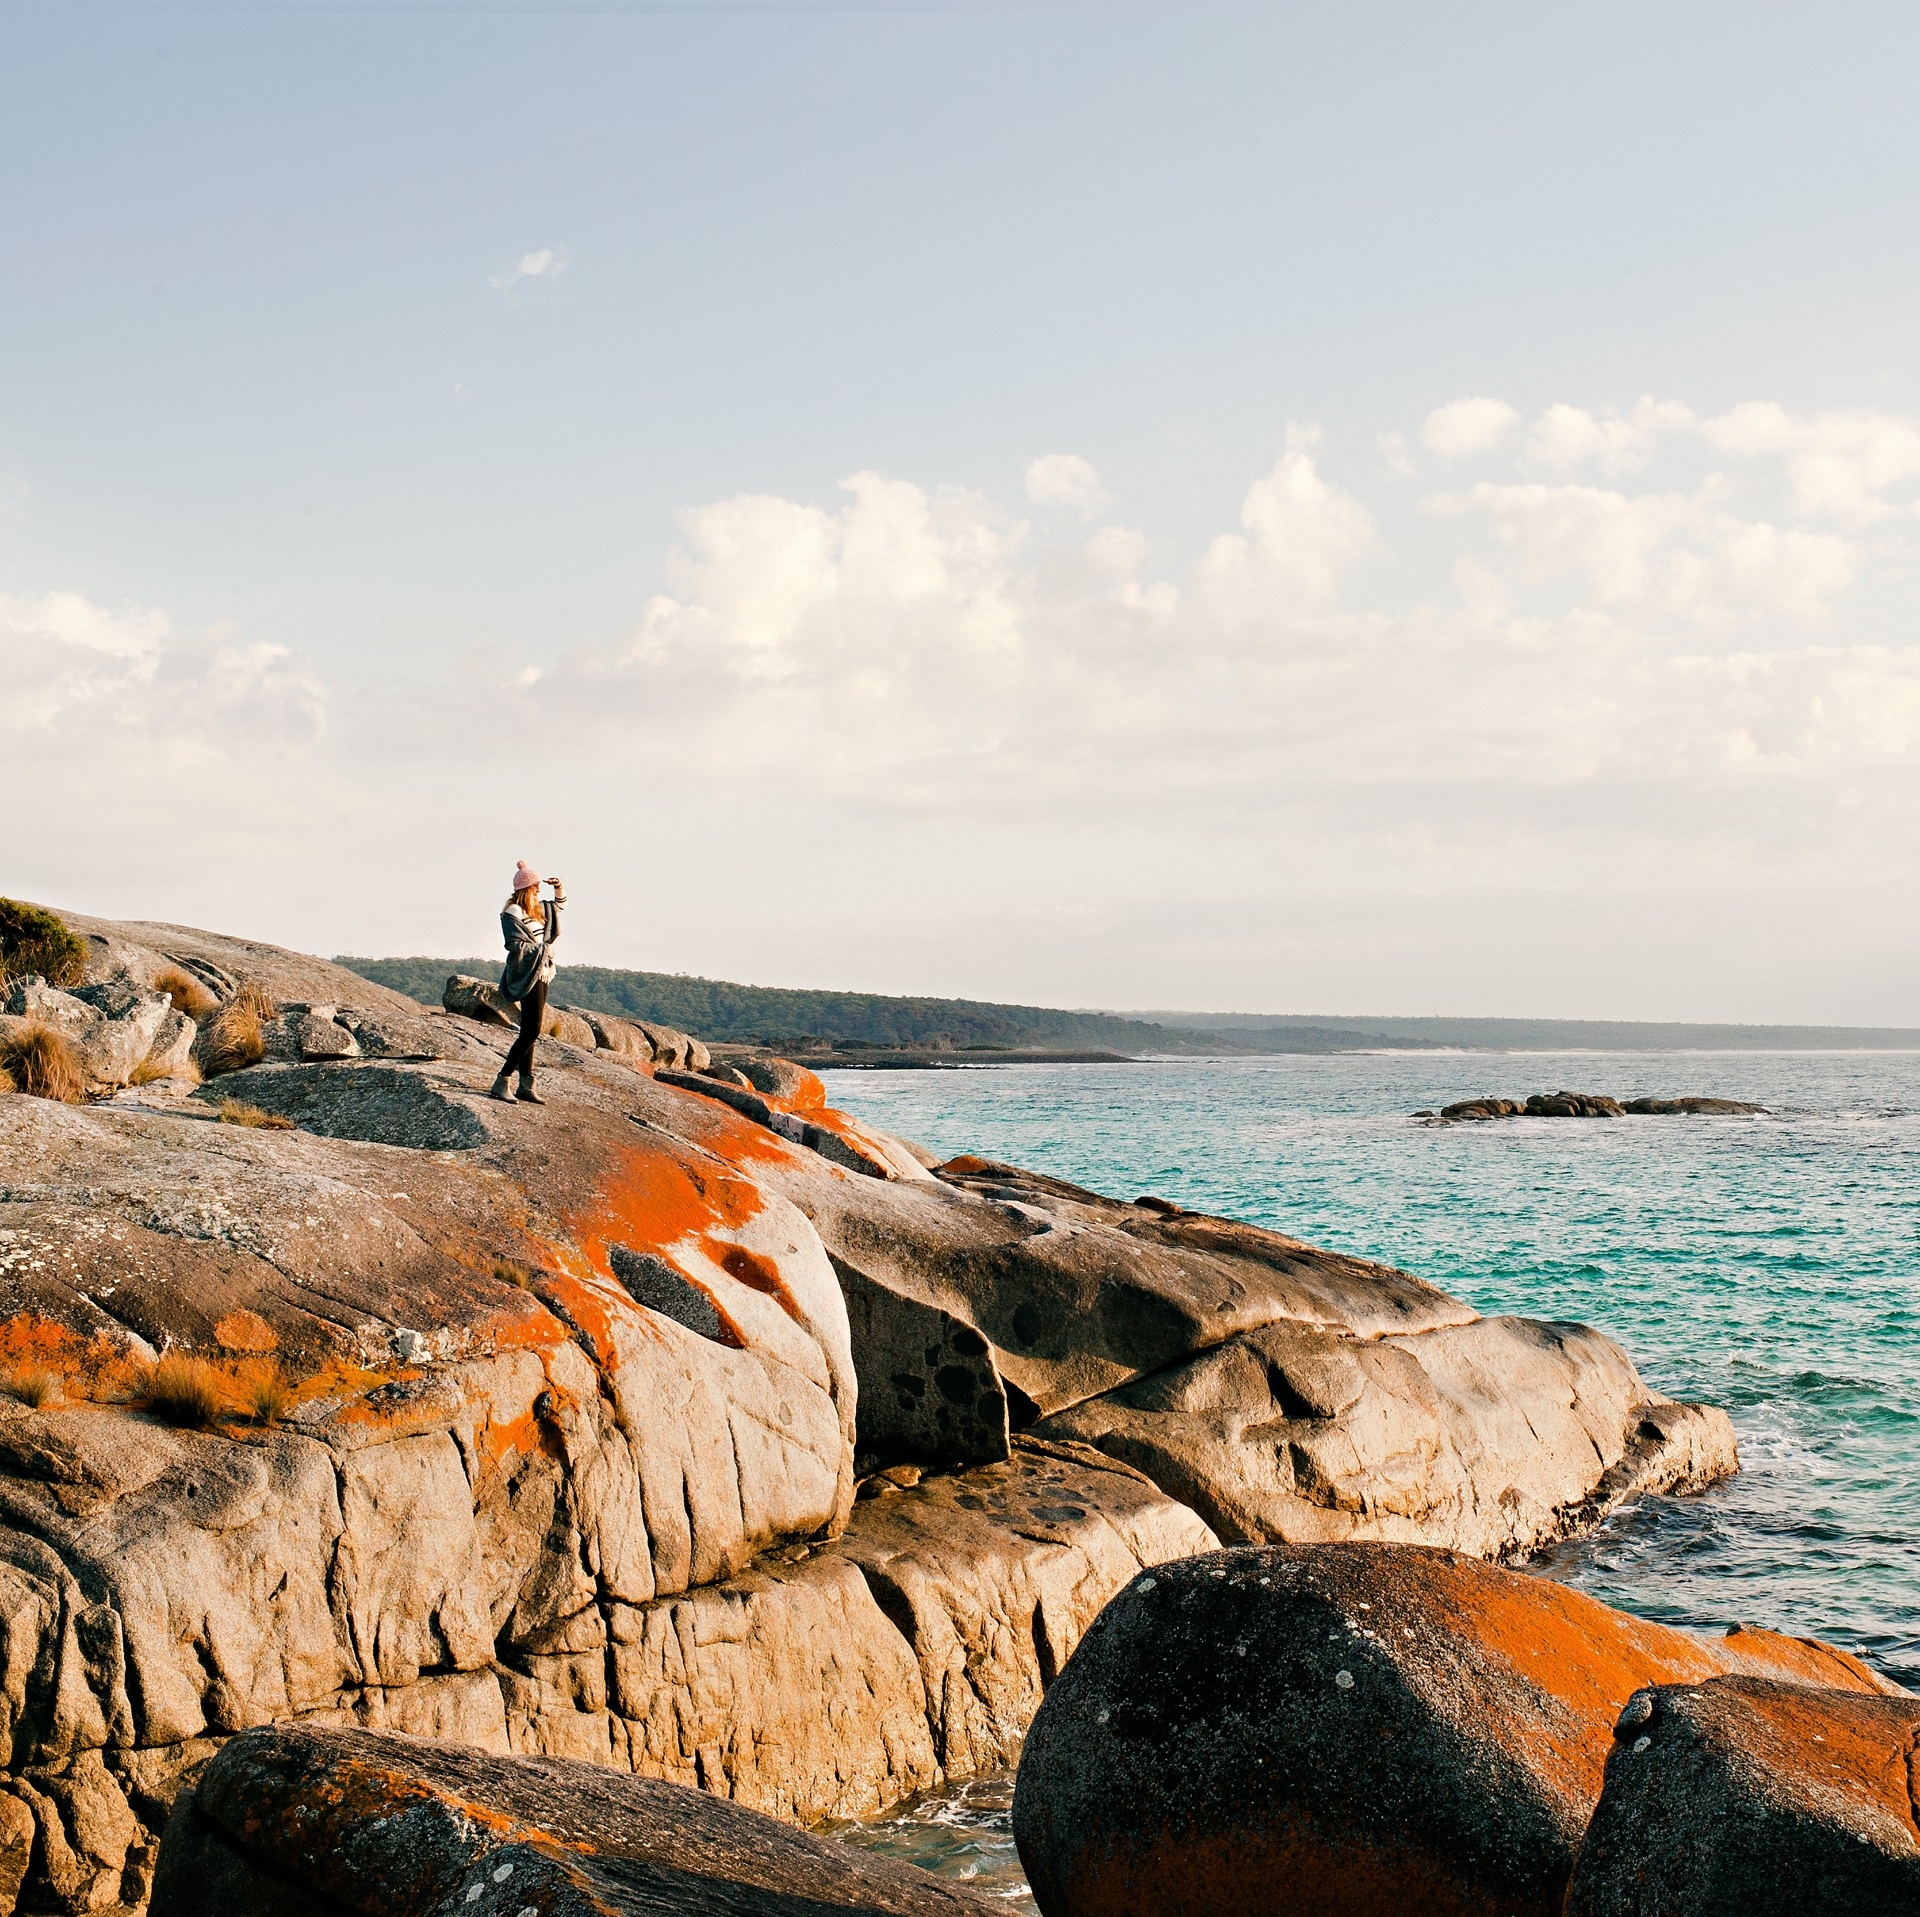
(6, 1081)
(235, 1036)
(268, 1394)
(186, 992)
(30, 1384)
(44, 1063)
(184, 1390)
(234, 1112)
(151, 1069)
(35, 941)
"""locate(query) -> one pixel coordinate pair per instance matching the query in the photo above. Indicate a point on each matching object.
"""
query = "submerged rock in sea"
(1346, 1730)
(1742, 1797)
(1589, 1105)
(539, 1427)
(298, 1822)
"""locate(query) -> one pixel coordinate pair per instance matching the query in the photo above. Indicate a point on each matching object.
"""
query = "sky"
(1379, 509)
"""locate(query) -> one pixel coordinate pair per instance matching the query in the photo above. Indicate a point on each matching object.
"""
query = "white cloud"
(549, 263)
(88, 682)
(1064, 479)
(1664, 553)
(1839, 463)
(1567, 436)
(1392, 448)
(1466, 426)
(1302, 536)
(970, 735)
(66, 619)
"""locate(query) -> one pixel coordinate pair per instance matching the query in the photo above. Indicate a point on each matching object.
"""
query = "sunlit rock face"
(337, 1389)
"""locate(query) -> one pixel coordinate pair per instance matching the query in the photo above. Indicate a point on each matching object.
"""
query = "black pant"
(533, 1008)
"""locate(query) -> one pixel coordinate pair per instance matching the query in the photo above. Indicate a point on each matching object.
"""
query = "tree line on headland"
(809, 1020)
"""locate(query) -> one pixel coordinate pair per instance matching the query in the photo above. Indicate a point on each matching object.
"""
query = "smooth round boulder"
(1344, 1729)
(1746, 1798)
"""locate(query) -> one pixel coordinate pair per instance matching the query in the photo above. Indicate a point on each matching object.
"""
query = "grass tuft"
(44, 1063)
(186, 992)
(150, 1070)
(30, 1385)
(33, 941)
(235, 1036)
(234, 1112)
(268, 1394)
(6, 1081)
(184, 1391)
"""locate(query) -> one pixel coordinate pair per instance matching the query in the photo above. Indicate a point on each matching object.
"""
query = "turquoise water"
(1770, 1265)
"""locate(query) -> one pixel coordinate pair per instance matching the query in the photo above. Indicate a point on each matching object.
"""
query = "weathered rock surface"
(1481, 1108)
(115, 1027)
(1744, 1797)
(1282, 1391)
(1481, 1436)
(1346, 1730)
(295, 1822)
(563, 1416)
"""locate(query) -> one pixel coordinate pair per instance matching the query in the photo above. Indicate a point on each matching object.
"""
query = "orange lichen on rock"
(756, 1272)
(650, 1199)
(86, 1366)
(245, 1330)
(1799, 1660)
(1294, 1728)
(805, 1091)
(1748, 1795)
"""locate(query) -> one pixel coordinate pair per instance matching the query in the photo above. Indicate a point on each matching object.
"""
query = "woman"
(530, 942)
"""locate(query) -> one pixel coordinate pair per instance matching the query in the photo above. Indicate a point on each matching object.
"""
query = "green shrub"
(35, 941)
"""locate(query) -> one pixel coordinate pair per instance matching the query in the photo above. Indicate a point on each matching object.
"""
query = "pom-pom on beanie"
(523, 876)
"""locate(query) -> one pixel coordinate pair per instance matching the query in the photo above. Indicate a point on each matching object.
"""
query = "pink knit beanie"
(523, 876)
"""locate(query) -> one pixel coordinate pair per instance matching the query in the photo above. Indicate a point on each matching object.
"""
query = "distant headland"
(876, 1028)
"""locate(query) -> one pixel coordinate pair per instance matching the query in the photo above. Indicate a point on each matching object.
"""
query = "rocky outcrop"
(1589, 1105)
(1345, 1730)
(1282, 1391)
(297, 1822)
(540, 1427)
(1480, 1436)
(1690, 1107)
(118, 1030)
(637, 1044)
(1744, 1797)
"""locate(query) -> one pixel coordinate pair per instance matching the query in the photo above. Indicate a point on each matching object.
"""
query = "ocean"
(1770, 1265)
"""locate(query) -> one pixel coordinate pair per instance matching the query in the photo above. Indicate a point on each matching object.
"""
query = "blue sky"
(424, 435)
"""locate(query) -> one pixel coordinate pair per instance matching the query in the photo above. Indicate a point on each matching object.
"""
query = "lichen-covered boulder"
(1345, 1729)
(1746, 1797)
(296, 1822)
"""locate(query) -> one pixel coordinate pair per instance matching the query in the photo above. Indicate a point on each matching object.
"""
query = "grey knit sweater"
(530, 943)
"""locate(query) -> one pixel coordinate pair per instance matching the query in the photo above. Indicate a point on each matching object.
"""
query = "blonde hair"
(526, 898)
